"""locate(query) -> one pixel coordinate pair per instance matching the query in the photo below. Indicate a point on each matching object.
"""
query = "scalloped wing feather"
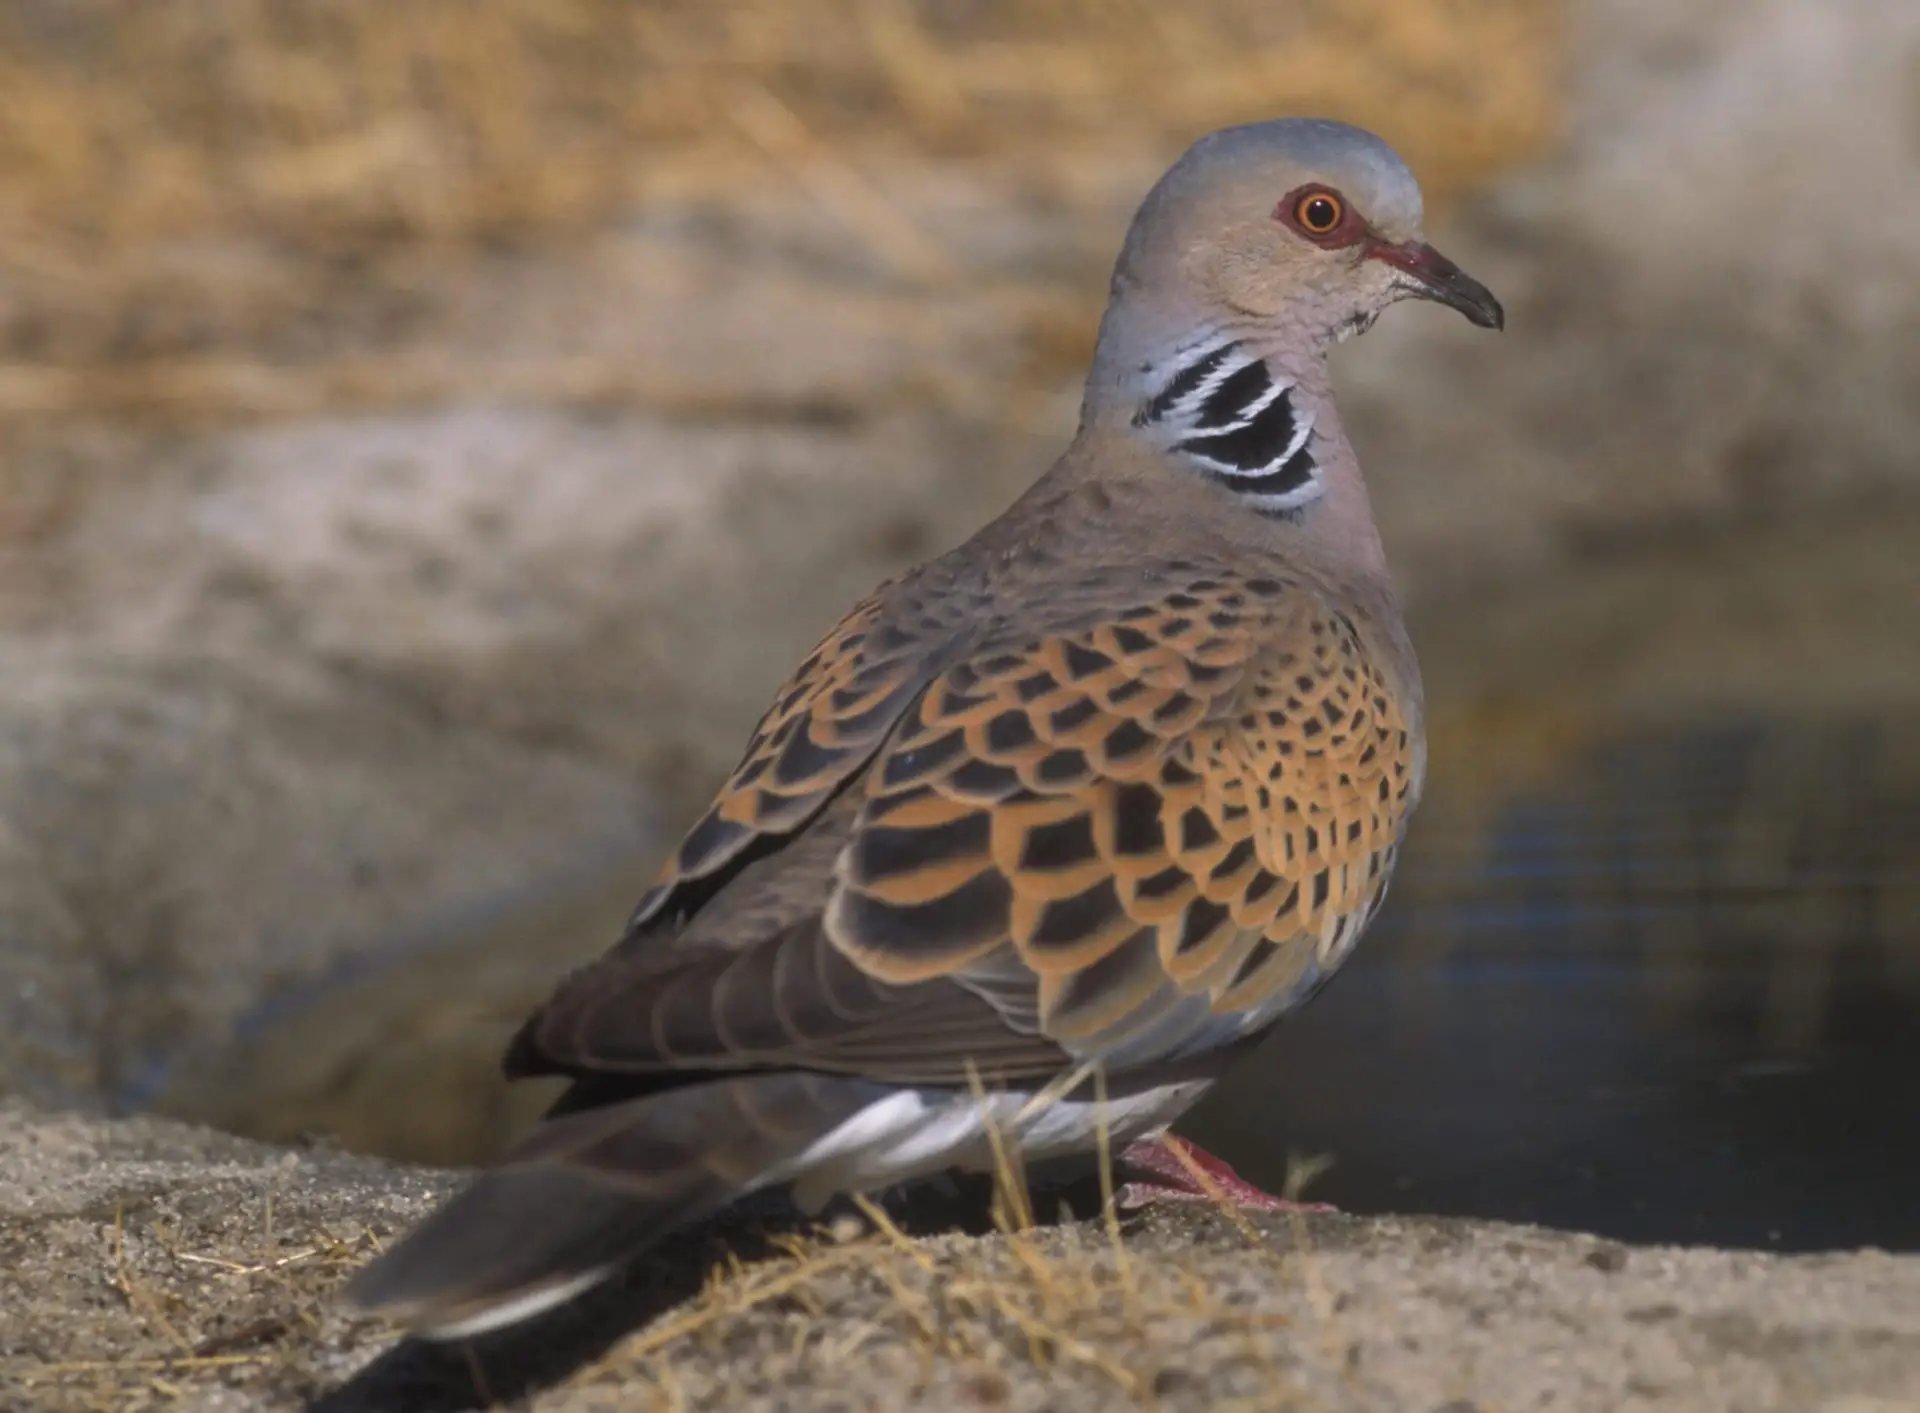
(1177, 822)
(825, 724)
(1133, 842)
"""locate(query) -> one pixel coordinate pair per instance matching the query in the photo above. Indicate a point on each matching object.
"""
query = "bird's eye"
(1319, 212)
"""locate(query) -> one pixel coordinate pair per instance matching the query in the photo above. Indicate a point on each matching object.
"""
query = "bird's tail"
(590, 1190)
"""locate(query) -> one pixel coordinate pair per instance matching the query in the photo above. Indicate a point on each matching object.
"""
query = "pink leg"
(1177, 1181)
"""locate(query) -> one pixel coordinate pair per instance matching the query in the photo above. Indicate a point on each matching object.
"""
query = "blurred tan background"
(231, 208)
(429, 430)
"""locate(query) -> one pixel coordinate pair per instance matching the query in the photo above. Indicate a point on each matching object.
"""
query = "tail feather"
(589, 1191)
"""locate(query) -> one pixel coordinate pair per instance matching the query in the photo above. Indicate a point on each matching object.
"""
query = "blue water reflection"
(1672, 996)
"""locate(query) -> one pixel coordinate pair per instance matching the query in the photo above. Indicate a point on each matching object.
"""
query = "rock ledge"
(152, 1264)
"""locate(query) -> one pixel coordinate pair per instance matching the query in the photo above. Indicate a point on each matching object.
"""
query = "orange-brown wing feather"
(822, 728)
(1171, 822)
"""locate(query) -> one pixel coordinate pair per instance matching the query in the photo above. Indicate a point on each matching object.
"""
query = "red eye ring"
(1320, 214)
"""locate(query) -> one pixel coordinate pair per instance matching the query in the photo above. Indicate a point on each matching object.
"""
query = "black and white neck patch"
(1224, 410)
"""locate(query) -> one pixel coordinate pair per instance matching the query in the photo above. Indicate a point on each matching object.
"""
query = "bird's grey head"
(1260, 248)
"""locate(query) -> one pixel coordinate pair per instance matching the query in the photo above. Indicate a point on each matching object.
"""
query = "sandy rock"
(150, 1264)
(389, 688)
(187, 835)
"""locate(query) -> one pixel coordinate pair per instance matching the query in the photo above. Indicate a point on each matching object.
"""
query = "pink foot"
(1179, 1165)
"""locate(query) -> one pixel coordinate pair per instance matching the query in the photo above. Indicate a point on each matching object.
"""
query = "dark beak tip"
(1444, 282)
(1456, 289)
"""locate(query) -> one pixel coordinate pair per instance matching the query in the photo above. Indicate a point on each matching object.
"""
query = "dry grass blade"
(1044, 1334)
(914, 1306)
(1013, 1207)
(138, 1299)
(162, 1361)
(728, 1297)
(1109, 1207)
(243, 1269)
(890, 1229)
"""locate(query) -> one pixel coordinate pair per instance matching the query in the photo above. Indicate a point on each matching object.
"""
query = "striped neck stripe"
(1222, 410)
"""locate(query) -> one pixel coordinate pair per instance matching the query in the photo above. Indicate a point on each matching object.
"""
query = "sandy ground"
(154, 1265)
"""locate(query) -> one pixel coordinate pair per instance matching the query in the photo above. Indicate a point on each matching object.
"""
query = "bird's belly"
(919, 1132)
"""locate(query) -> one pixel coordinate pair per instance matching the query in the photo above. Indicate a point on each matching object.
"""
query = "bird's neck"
(1250, 410)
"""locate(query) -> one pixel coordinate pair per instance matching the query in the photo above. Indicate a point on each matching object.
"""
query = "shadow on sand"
(421, 1376)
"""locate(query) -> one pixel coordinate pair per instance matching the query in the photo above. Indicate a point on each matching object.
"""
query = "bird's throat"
(1225, 412)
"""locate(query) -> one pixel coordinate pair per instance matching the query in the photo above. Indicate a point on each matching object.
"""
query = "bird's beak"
(1435, 277)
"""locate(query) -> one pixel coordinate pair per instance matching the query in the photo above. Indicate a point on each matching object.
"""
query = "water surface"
(1672, 994)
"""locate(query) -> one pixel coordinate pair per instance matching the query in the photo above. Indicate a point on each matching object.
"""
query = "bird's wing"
(1132, 841)
(823, 727)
